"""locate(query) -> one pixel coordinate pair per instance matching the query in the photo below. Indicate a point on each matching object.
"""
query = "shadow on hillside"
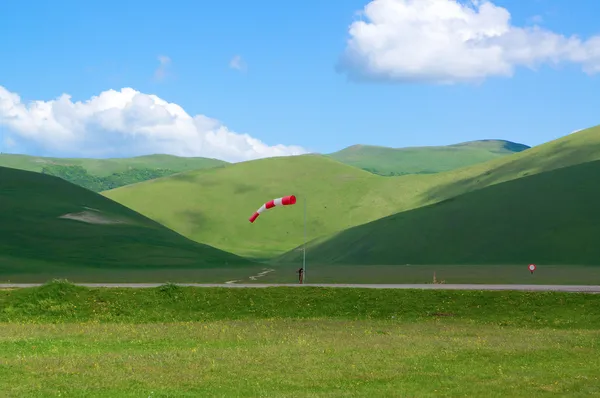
(197, 220)
(238, 188)
(242, 188)
(563, 155)
(184, 177)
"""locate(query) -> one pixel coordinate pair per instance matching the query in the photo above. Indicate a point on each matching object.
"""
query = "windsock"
(285, 201)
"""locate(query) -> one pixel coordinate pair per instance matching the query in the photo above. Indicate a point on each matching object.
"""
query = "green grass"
(103, 174)
(288, 358)
(549, 218)
(424, 160)
(303, 342)
(33, 237)
(79, 176)
(213, 206)
(106, 167)
(61, 302)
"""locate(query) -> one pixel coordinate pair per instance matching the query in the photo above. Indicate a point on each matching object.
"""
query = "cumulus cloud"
(126, 123)
(161, 72)
(237, 63)
(449, 41)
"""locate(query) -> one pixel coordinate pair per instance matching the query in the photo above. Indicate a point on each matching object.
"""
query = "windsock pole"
(304, 251)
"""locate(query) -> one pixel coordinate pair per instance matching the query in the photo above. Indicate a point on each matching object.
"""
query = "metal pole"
(304, 251)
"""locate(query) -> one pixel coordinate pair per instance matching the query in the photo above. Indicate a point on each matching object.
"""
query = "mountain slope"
(576, 148)
(103, 174)
(548, 218)
(213, 206)
(105, 167)
(46, 219)
(424, 160)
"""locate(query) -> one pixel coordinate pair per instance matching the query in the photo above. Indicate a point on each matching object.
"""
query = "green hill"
(212, 206)
(106, 167)
(48, 222)
(580, 147)
(424, 160)
(103, 174)
(549, 218)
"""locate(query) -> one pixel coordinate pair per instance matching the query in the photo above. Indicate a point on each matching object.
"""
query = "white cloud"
(447, 41)
(127, 123)
(237, 63)
(161, 72)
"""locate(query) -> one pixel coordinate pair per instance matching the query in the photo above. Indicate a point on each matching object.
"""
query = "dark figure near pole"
(301, 275)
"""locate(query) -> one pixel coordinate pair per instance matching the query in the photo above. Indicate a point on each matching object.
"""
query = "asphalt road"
(543, 288)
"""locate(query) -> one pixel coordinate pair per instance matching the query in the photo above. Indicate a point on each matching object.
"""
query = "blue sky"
(294, 88)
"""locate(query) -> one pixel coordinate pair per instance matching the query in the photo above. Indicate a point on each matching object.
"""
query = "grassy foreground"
(290, 358)
(63, 340)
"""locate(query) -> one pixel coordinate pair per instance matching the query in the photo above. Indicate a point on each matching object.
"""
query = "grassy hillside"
(424, 160)
(572, 149)
(48, 222)
(103, 174)
(549, 218)
(213, 206)
(106, 167)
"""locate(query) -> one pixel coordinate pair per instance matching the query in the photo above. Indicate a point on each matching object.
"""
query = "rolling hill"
(48, 222)
(550, 218)
(106, 167)
(424, 160)
(212, 206)
(102, 174)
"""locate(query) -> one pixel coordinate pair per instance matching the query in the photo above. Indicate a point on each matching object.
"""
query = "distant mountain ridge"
(424, 159)
(102, 174)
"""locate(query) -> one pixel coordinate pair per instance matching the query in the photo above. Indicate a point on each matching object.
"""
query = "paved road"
(545, 288)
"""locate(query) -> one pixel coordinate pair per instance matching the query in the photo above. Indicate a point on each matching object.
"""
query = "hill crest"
(473, 143)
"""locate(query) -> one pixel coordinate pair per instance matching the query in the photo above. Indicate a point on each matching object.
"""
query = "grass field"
(49, 225)
(548, 218)
(105, 167)
(282, 342)
(424, 160)
(213, 206)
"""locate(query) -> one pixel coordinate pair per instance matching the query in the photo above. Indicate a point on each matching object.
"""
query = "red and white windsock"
(285, 201)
